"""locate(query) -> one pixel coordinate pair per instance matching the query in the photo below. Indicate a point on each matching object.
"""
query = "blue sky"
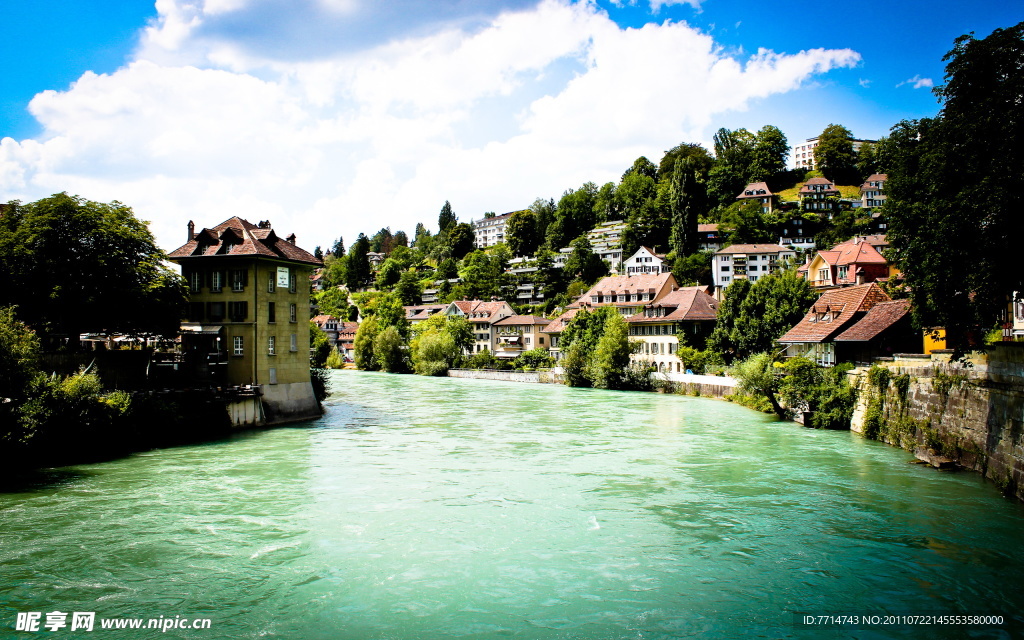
(333, 116)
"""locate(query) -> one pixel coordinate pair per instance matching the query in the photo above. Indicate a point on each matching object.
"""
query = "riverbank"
(687, 384)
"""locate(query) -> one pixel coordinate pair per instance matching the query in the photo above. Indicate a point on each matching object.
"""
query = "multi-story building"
(515, 334)
(760, 193)
(803, 154)
(872, 192)
(606, 241)
(747, 262)
(645, 261)
(490, 231)
(481, 316)
(708, 237)
(814, 195)
(416, 314)
(849, 263)
(247, 321)
(689, 311)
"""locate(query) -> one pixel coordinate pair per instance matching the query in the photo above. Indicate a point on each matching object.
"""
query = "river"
(443, 508)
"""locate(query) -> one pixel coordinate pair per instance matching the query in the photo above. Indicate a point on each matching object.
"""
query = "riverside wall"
(689, 384)
(965, 414)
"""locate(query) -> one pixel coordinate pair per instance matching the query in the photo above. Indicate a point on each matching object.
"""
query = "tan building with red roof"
(842, 326)
(814, 194)
(849, 263)
(760, 193)
(872, 192)
(515, 334)
(247, 321)
(416, 314)
(481, 315)
(689, 310)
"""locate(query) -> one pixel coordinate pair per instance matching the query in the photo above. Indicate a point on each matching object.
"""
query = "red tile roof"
(518, 320)
(829, 186)
(753, 248)
(652, 283)
(707, 228)
(238, 237)
(478, 310)
(558, 324)
(755, 190)
(879, 318)
(686, 304)
(840, 306)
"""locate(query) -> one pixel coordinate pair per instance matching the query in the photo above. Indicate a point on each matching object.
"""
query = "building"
(796, 235)
(846, 313)
(606, 241)
(376, 258)
(849, 263)
(481, 315)
(490, 231)
(872, 192)
(516, 334)
(747, 262)
(760, 193)
(416, 314)
(814, 195)
(341, 334)
(689, 311)
(247, 321)
(645, 261)
(803, 154)
(708, 237)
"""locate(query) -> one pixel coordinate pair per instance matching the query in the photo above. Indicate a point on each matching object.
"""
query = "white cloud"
(525, 104)
(864, 82)
(917, 82)
(656, 5)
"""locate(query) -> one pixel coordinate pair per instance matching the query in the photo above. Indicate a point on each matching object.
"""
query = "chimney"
(191, 231)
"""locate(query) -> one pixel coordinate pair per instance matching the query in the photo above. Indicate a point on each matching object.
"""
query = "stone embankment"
(694, 385)
(968, 414)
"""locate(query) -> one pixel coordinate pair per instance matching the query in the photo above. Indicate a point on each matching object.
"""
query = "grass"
(846, 192)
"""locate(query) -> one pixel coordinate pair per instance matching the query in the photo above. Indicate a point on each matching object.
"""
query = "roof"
(753, 248)
(423, 311)
(687, 303)
(478, 309)
(840, 306)
(879, 318)
(238, 237)
(707, 228)
(558, 324)
(876, 177)
(755, 190)
(806, 188)
(347, 328)
(518, 320)
(652, 283)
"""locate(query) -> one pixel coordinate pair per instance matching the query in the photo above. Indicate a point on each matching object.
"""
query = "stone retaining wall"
(546, 377)
(948, 414)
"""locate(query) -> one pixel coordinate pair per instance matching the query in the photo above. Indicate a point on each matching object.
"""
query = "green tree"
(319, 346)
(610, 361)
(438, 344)
(834, 154)
(409, 289)
(389, 350)
(769, 156)
(357, 264)
(446, 219)
(646, 223)
(459, 240)
(72, 265)
(338, 248)
(362, 344)
(726, 336)
(544, 211)
(694, 269)
(521, 233)
(756, 375)
(583, 263)
(19, 364)
(955, 190)
(746, 223)
(688, 201)
(866, 162)
(388, 275)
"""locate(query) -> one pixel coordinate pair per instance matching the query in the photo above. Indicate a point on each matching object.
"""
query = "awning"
(201, 329)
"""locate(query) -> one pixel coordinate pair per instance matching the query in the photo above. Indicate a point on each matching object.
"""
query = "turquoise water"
(444, 508)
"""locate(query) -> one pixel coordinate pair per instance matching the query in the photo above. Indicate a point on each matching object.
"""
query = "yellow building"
(247, 322)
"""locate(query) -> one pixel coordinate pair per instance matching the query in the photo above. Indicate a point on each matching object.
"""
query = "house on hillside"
(760, 193)
(481, 316)
(872, 192)
(747, 262)
(708, 237)
(815, 193)
(689, 311)
(645, 261)
(247, 320)
(516, 334)
(843, 326)
(416, 314)
(488, 232)
(849, 263)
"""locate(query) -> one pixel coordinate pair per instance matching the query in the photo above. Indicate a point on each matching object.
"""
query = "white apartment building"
(803, 154)
(490, 231)
(747, 262)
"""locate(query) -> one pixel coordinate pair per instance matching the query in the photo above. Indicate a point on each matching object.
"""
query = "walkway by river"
(445, 508)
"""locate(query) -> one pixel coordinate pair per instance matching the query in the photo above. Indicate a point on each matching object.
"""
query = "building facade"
(747, 262)
(872, 192)
(645, 261)
(248, 314)
(481, 316)
(803, 154)
(490, 231)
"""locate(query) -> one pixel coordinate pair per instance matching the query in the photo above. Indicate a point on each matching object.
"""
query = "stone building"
(247, 321)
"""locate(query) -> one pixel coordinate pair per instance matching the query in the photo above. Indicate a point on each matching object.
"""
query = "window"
(271, 312)
(195, 281)
(270, 282)
(292, 313)
(294, 343)
(216, 281)
(273, 375)
(238, 311)
(239, 278)
(291, 281)
(215, 311)
(272, 345)
(725, 268)
(239, 345)
(726, 278)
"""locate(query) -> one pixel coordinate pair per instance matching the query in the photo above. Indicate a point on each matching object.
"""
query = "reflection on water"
(436, 508)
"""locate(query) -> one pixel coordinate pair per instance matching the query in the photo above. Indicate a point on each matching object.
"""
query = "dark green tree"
(409, 290)
(956, 190)
(338, 249)
(446, 219)
(834, 155)
(583, 264)
(769, 156)
(72, 265)
(459, 240)
(688, 201)
(521, 233)
(357, 264)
